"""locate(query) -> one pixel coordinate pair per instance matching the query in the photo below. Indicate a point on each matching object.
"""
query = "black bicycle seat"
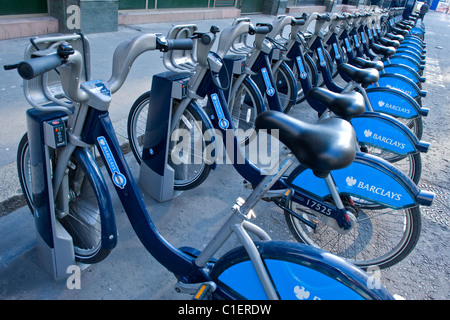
(400, 31)
(326, 145)
(344, 105)
(363, 63)
(385, 51)
(363, 76)
(397, 37)
(389, 43)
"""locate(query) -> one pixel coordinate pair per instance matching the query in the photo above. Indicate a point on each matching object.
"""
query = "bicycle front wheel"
(24, 170)
(246, 104)
(297, 272)
(190, 167)
(82, 220)
(286, 87)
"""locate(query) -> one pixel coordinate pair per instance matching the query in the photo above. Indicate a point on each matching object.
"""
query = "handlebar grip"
(207, 38)
(263, 29)
(298, 21)
(180, 44)
(34, 67)
(324, 16)
(260, 28)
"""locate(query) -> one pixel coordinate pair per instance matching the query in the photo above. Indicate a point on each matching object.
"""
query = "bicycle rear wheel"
(297, 272)
(410, 164)
(380, 236)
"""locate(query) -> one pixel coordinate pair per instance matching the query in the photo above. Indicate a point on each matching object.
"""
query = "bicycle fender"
(106, 209)
(405, 71)
(299, 272)
(209, 128)
(370, 178)
(409, 52)
(416, 32)
(387, 133)
(402, 83)
(395, 103)
(406, 61)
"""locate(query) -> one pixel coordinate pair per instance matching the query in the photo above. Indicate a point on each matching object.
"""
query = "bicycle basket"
(46, 89)
(181, 60)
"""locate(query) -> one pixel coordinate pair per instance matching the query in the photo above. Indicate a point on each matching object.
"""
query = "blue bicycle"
(361, 213)
(67, 126)
(385, 131)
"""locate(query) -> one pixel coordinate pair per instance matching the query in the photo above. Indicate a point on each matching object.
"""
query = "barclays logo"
(369, 134)
(386, 105)
(351, 181)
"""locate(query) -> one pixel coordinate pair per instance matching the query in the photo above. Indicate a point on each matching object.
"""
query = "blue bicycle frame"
(265, 81)
(385, 132)
(90, 125)
(381, 171)
(382, 99)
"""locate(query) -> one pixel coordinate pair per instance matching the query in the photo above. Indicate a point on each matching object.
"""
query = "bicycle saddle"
(363, 76)
(326, 145)
(389, 43)
(344, 105)
(385, 51)
(403, 32)
(363, 63)
(397, 37)
(407, 23)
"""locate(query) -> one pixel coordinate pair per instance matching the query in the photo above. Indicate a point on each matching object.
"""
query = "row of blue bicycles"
(342, 93)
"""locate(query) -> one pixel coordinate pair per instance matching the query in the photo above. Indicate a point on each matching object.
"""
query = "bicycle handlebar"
(260, 28)
(324, 16)
(34, 67)
(70, 62)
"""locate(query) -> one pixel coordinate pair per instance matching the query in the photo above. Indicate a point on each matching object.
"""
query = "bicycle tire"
(24, 171)
(286, 83)
(244, 107)
(381, 239)
(309, 69)
(297, 271)
(409, 164)
(137, 119)
(79, 203)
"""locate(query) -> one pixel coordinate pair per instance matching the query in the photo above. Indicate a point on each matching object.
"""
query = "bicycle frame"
(401, 139)
(217, 110)
(379, 99)
(261, 72)
(89, 125)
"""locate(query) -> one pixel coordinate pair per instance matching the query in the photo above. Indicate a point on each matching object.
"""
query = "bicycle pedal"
(205, 291)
